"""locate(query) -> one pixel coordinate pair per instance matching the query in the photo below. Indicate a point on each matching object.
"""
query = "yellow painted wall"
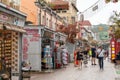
(28, 7)
(71, 12)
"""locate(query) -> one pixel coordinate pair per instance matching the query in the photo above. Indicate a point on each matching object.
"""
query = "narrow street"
(86, 73)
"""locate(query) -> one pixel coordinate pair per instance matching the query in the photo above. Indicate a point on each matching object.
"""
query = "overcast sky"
(101, 16)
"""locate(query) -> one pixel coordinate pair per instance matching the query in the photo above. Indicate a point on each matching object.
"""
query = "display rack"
(15, 55)
(9, 57)
(48, 58)
(5, 52)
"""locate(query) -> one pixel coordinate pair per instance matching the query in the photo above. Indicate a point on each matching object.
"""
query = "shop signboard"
(113, 48)
(103, 35)
(48, 34)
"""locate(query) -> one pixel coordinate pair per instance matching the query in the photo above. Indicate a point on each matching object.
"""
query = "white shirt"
(100, 52)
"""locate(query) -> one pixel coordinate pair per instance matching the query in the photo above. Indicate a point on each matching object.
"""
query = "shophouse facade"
(66, 9)
(11, 30)
(47, 22)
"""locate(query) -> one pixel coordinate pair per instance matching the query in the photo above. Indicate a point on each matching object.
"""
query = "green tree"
(115, 20)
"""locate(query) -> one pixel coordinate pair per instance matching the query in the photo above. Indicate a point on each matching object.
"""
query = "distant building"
(66, 9)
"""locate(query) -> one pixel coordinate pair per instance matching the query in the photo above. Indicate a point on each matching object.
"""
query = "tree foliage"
(70, 31)
(115, 20)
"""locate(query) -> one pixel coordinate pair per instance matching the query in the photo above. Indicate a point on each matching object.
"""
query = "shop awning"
(12, 27)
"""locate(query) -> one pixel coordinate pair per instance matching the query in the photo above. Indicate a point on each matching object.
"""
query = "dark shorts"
(79, 58)
(94, 55)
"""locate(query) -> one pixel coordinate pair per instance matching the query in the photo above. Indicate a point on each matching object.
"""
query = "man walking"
(100, 53)
(93, 49)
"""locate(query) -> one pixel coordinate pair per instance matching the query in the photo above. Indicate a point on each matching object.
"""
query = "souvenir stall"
(11, 30)
(37, 47)
(60, 40)
(48, 48)
(9, 49)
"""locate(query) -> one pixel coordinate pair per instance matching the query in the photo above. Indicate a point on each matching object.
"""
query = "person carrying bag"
(100, 54)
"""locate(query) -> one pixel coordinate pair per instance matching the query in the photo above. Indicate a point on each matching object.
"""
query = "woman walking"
(75, 58)
(79, 59)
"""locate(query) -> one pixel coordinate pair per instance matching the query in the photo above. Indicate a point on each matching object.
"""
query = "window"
(50, 25)
(47, 22)
(58, 11)
(73, 19)
(53, 26)
(64, 18)
(43, 20)
(39, 18)
(64, 11)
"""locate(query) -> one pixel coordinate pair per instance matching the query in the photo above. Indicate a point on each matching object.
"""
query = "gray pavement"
(86, 73)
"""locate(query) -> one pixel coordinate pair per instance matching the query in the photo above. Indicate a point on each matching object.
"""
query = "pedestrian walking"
(89, 54)
(93, 50)
(75, 58)
(85, 57)
(79, 59)
(100, 54)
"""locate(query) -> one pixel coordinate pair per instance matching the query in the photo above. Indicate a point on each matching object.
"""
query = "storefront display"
(60, 39)
(15, 55)
(48, 58)
(9, 51)
(5, 51)
(35, 47)
(11, 30)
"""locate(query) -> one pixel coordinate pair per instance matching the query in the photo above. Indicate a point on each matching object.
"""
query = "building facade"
(66, 9)
(11, 31)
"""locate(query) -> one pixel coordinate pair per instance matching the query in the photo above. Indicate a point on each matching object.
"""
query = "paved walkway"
(73, 73)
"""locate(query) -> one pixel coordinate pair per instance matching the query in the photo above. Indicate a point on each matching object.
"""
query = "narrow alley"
(86, 73)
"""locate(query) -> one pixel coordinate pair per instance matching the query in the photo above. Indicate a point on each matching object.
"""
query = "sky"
(100, 16)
